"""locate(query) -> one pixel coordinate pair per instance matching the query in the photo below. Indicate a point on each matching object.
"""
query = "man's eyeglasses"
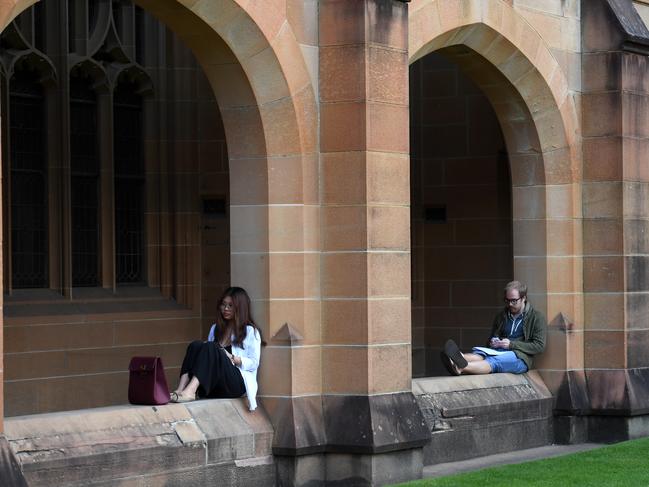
(513, 301)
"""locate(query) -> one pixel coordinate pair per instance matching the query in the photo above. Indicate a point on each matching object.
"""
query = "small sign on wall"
(214, 207)
(435, 214)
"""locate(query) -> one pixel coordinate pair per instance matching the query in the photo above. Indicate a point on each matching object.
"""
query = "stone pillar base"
(611, 429)
(570, 430)
(10, 472)
(350, 469)
(303, 470)
(382, 469)
(348, 440)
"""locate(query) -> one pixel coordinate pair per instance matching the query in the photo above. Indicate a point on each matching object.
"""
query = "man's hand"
(498, 343)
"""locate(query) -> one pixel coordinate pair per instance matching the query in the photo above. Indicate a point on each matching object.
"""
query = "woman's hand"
(236, 361)
(229, 355)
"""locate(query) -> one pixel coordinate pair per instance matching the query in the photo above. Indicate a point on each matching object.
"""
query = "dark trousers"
(211, 366)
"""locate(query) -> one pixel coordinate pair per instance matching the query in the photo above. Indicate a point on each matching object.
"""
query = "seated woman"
(226, 364)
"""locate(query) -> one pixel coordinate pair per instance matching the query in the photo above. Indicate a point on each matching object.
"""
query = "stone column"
(2, 375)
(616, 220)
(373, 427)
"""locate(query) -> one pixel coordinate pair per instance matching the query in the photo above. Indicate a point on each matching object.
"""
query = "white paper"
(489, 351)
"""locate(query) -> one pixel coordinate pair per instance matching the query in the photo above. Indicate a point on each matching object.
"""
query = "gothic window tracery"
(129, 184)
(88, 231)
(29, 182)
(84, 168)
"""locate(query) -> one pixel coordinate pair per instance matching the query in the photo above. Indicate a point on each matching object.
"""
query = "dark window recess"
(25, 22)
(129, 186)
(117, 16)
(214, 207)
(29, 263)
(72, 26)
(93, 16)
(139, 35)
(84, 162)
(39, 27)
(435, 214)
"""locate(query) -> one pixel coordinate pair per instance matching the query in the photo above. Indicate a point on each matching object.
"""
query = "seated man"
(517, 334)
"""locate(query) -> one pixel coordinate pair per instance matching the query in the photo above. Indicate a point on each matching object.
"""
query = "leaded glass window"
(129, 185)
(84, 162)
(29, 264)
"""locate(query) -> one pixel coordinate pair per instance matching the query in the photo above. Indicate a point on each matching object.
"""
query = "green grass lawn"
(624, 464)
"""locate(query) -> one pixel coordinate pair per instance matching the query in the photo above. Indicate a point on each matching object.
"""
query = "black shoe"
(448, 363)
(452, 351)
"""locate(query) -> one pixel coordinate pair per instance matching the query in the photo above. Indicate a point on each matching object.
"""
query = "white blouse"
(249, 353)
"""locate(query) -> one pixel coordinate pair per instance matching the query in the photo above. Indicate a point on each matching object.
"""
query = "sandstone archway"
(266, 97)
(527, 88)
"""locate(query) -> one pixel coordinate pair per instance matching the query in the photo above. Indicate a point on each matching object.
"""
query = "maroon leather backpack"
(147, 383)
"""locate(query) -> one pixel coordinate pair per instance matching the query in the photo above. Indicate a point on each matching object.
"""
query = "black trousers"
(211, 366)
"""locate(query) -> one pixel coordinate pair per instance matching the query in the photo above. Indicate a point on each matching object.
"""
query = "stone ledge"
(97, 446)
(431, 385)
(471, 416)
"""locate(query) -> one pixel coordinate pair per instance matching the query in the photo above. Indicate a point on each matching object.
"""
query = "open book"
(488, 351)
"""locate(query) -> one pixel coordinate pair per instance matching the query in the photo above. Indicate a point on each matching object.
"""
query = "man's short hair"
(518, 286)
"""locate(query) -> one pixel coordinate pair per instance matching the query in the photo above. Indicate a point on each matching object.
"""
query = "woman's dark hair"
(241, 316)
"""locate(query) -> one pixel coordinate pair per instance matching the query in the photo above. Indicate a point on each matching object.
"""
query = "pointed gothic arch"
(510, 62)
(258, 75)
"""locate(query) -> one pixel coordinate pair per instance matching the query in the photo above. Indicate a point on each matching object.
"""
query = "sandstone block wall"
(315, 108)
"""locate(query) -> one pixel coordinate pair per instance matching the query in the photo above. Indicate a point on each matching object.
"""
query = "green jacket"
(535, 329)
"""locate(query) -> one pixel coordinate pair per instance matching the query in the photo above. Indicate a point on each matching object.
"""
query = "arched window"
(129, 184)
(84, 167)
(29, 236)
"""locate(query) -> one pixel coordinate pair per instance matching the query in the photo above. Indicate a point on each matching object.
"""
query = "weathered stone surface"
(205, 441)
(228, 435)
(610, 429)
(373, 424)
(261, 473)
(572, 394)
(569, 430)
(631, 24)
(298, 424)
(600, 29)
(374, 470)
(85, 469)
(364, 440)
(614, 392)
(301, 470)
(618, 392)
(471, 416)
(350, 469)
(9, 469)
